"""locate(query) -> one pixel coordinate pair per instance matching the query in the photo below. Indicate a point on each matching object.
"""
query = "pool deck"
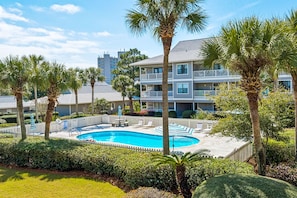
(218, 145)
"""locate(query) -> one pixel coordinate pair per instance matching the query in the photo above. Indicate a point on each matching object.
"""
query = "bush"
(284, 172)
(158, 114)
(172, 114)
(279, 151)
(188, 113)
(244, 185)
(2, 121)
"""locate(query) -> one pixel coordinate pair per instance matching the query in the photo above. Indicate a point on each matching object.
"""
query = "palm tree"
(121, 83)
(56, 79)
(75, 82)
(15, 74)
(243, 46)
(36, 77)
(93, 74)
(163, 17)
(179, 164)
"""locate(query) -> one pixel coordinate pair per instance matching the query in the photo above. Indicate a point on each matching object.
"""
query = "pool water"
(138, 139)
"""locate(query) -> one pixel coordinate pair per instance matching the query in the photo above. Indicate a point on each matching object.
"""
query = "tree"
(93, 74)
(56, 79)
(124, 69)
(179, 163)
(15, 75)
(36, 76)
(75, 82)
(121, 84)
(244, 47)
(163, 17)
(101, 105)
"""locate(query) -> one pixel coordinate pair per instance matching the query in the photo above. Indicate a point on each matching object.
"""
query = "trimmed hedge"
(135, 169)
(279, 151)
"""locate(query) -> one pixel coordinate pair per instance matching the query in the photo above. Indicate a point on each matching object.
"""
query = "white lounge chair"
(139, 124)
(199, 127)
(208, 128)
(149, 124)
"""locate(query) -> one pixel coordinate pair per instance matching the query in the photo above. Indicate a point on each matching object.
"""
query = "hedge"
(134, 168)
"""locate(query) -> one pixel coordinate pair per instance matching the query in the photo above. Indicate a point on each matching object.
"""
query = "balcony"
(154, 94)
(203, 94)
(153, 76)
(214, 73)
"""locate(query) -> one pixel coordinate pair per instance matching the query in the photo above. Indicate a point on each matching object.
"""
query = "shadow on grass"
(245, 186)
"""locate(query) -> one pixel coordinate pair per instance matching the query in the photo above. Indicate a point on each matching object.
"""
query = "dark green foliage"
(149, 192)
(284, 172)
(279, 151)
(244, 185)
(158, 114)
(172, 114)
(188, 113)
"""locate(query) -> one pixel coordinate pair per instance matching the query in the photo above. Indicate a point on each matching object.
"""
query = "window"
(158, 70)
(182, 69)
(183, 88)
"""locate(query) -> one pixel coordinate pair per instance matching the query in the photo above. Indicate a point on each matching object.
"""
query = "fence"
(241, 154)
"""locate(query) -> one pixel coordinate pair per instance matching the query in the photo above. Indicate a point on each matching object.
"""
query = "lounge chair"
(139, 124)
(199, 127)
(149, 124)
(208, 128)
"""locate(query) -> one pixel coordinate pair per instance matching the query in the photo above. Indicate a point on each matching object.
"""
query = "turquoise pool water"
(138, 139)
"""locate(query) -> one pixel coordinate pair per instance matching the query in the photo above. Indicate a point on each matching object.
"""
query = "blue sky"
(76, 32)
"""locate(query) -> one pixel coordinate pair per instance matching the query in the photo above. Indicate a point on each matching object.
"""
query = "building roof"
(184, 51)
(9, 102)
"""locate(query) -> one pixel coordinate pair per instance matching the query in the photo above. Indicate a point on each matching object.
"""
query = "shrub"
(188, 113)
(172, 114)
(149, 192)
(279, 151)
(284, 172)
(2, 121)
(158, 114)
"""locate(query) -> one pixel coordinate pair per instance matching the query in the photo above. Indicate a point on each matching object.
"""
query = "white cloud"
(38, 8)
(68, 8)
(11, 16)
(102, 34)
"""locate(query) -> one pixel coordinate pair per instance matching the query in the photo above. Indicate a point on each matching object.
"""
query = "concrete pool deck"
(218, 145)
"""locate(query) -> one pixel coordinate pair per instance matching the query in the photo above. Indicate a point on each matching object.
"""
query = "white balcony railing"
(213, 73)
(153, 94)
(205, 93)
(154, 76)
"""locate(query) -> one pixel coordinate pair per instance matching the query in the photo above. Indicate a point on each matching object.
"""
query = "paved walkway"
(218, 145)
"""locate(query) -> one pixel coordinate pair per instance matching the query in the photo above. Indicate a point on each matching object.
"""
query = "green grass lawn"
(23, 183)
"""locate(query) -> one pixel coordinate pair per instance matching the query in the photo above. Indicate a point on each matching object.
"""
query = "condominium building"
(107, 64)
(190, 83)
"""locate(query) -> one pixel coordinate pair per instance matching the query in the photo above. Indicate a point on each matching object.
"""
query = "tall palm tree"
(244, 47)
(56, 79)
(15, 74)
(180, 163)
(75, 82)
(93, 74)
(163, 17)
(36, 76)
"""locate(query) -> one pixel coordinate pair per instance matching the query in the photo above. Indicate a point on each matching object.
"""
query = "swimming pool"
(138, 139)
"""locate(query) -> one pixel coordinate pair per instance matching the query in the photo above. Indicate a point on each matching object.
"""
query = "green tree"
(101, 105)
(56, 79)
(36, 77)
(15, 75)
(244, 47)
(93, 74)
(75, 82)
(121, 84)
(163, 17)
(179, 163)
(125, 69)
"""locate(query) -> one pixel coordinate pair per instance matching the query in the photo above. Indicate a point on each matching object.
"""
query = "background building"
(107, 64)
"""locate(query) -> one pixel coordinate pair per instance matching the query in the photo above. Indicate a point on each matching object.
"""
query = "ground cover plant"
(250, 186)
(27, 183)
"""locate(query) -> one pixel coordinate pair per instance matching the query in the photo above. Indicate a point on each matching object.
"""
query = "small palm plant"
(179, 163)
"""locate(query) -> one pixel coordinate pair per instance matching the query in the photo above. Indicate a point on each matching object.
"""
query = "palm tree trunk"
(76, 101)
(48, 117)
(254, 114)
(20, 107)
(131, 105)
(92, 84)
(36, 103)
(166, 48)
(182, 181)
(294, 81)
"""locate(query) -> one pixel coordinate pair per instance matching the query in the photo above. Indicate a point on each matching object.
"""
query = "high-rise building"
(107, 64)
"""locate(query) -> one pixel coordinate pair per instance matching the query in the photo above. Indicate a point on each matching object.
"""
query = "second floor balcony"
(154, 76)
(154, 94)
